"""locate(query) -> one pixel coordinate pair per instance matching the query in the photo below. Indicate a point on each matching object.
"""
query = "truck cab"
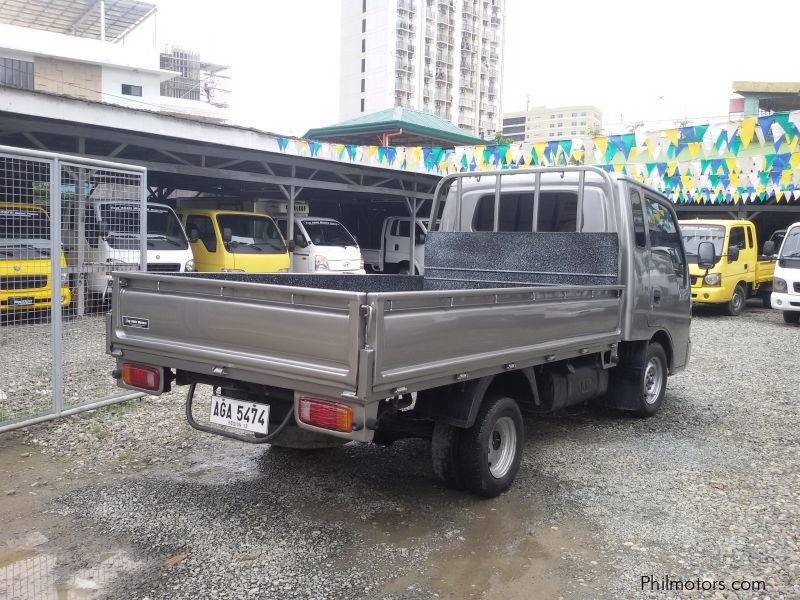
(25, 260)
(395, 252)
(322, 246)
(738, 272)
(111, 242)
(235, 241)
(786, 283)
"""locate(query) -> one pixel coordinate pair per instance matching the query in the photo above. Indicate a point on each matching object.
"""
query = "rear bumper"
(785, 301)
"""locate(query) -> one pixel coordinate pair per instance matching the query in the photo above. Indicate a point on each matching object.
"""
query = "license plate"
(20, 301)
(248, 416)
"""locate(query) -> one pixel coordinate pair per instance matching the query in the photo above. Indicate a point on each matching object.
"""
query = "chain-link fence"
(65, 224)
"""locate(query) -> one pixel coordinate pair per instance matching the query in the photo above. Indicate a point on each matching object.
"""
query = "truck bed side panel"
(418, 337)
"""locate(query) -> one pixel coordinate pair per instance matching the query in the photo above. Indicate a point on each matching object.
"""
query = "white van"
(322, 245)
(395, 250)
(111, 243)
(786, 282)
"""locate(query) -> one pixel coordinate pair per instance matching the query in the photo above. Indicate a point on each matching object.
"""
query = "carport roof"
(414, 124)
(76, 17)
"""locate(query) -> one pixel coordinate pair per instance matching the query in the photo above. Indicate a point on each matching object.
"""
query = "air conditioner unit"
(281, 207)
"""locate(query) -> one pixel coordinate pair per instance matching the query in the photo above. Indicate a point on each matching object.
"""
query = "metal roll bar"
(445, 182)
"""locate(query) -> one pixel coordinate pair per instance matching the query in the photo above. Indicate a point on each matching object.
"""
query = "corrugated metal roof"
(421, 123)
(76, 17)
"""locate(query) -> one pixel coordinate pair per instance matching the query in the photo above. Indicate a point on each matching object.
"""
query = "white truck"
(322, 245)
(394, 254)
(786, 281)
(111, 242)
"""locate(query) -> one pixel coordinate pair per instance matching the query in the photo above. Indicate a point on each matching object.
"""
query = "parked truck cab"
(737, 272)
(322, 246)
(786, 283)
(394, 253)
(111, 242)
(234, 241)
(26, 261)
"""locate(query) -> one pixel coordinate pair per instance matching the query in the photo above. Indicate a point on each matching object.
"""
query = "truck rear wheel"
(791, 316)
(735, 305)
(654, 381)
(444, 452)
(490, 451)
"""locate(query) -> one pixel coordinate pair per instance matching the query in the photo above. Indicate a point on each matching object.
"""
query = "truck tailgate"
(272, 334)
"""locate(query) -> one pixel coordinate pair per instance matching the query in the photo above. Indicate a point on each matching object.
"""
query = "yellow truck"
(734, 271)
(234, 241)
(25, 261)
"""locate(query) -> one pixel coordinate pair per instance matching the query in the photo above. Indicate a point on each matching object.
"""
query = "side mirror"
(421, 237)
(299, 241)
(706, 257)
(104, 230)
(194, 235)
(769, 248)
(290, 245)
(733, 254)
(227, 235)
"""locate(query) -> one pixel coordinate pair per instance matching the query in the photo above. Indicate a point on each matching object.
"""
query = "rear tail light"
(325, 414)
(141, 376)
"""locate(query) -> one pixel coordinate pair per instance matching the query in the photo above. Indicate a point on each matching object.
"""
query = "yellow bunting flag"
(733, 166)
(672, 134)
(577, 154)
(539, 147)
(601, 143)
(794, 161)
(746, 130)
(694, 148)
(671, 167)
(786, 177)
(734, 179)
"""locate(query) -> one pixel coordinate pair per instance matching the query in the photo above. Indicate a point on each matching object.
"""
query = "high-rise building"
(542, 122)
(438, 56)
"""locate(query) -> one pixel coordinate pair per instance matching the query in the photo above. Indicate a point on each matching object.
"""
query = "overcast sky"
(638, 60)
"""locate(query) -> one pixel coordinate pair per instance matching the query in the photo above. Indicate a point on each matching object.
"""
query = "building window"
(16, 73)
(552, 116)
(583, 114)
(362, 105)
(574, 123)
(561, 124)
(363, 25)
(364, 6)
(552, 125)
(363, 45)
(363, 85)
(560, 115)
(131, 90)
(583, 122)
(363, 65)
(574, 114)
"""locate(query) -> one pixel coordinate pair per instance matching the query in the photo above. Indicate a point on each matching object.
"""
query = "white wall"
(113, 78)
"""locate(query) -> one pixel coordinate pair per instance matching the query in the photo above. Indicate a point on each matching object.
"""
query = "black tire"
(445, 455)
(655, 360)
(791, 317)
(736, 304)
(474, 447)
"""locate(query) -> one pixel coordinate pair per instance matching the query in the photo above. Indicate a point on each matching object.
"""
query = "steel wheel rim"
(502, 447)
(653, 380)
(736, 301)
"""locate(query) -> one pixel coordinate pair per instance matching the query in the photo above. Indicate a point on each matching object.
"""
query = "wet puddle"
(31, 574)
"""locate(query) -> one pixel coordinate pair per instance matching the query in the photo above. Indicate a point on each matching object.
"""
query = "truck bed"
(370, 337)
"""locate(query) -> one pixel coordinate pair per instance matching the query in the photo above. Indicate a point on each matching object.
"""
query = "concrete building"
(78, 48)
(764, 97)
(542, 122)
(442, 57)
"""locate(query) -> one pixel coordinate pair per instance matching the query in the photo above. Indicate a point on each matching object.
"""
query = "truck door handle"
(397, 247)
(745, 266)
(656, 297)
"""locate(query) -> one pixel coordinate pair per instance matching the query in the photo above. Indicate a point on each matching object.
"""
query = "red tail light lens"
(141, 376)
(325, 414)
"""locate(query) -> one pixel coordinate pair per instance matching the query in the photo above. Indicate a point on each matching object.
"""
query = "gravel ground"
(707, 489)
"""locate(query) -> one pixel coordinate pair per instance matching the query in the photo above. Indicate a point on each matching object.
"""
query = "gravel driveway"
(130, 500)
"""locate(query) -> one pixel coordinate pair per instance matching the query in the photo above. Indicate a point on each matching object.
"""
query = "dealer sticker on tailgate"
(248, 416)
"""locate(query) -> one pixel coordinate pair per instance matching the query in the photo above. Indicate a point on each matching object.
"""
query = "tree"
(499, 139)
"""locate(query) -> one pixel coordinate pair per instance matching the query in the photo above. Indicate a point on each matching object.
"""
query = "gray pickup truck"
(543, 288)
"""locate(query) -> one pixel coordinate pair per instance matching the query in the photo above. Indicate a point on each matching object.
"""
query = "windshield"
(693, 235)
(251, 234)
(328, 233)
(791, 244)
(121, 220)
(24, 233)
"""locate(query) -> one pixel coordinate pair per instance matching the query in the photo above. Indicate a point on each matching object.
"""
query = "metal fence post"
(56, 318)
(143, 223)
